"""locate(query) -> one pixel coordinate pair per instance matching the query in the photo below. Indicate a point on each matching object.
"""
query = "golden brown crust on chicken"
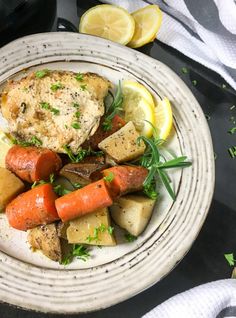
(58, 108)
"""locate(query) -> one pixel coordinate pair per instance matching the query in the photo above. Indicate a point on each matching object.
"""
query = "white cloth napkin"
(204, 30)
(212, 300)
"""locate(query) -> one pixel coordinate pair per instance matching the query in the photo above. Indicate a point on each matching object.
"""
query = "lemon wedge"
(138, 107)
(108, 21)
(5, 145)
(163, 118)
(147, 23)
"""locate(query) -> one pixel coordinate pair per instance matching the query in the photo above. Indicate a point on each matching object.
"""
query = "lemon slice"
(108, 21)
(139, 107)
(5, 145)
(147, 23)
(163, 118)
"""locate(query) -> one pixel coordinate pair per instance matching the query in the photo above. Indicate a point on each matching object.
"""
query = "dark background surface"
(205, 261)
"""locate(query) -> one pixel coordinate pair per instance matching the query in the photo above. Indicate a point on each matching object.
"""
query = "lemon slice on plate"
(138, 107)
(5, 145)
(163, 118)
(108, 21)
(147, 23)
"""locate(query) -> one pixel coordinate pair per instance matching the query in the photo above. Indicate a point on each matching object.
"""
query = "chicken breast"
(59, 108)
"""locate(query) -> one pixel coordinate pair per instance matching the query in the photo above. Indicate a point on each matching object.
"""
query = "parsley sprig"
(113, 109)
(157, 165)
(34, 141)
(81, 154)
(79, 251)
(100, 229)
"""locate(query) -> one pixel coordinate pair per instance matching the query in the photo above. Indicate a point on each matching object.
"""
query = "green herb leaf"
(42, 73)
(79, 77)
(230, 259)
(232, 151)
(109, 178)
(130, 238)
(76, 105)
(75, 125)
(83, 87)
(36, 141)
(77, 114)
(232, 107)
(110, 230)
(114, 109)
(82, 153)
(60, 190)
(77, 185)
(232, 130)
(194, 82)
(56, 86)
(55, 111)
(184, 70)
(45, 105)
(79, 251)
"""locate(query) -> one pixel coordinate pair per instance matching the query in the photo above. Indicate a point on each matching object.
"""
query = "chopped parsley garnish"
(76, 105)
(47, 106)
(230, 259)
(130, 238)
(55, 111)
(82, 153)
(232, 130)
(232, 107)
(83, 87)
(75, 125)
(60, 190)
(77, 185)
(184, 70)
(42, 73)
(157, 165)
(194, 82)
(77, 114)
(36, 141)
(114, 109)
(79, 251)
(100, 229)
(56, 86)
(109, 177)
(79, 77)
(232, 151)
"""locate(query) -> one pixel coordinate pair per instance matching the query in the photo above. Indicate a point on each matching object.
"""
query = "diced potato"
(132, 213)
(82, 230)
(61, 229)
(45, 239)
(5, 145)
(10, 187)
(122, 145)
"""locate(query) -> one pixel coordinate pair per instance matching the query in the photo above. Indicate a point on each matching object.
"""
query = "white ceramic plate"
(112, 274)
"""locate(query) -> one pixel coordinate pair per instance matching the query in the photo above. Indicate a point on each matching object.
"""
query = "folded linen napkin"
(204, 30)
(212, 300)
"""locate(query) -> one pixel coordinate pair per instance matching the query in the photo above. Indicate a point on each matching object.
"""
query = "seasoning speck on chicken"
(51, 115)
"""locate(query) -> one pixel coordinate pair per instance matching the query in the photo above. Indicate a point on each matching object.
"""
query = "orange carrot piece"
(100, 134)
(33, 208)
(125, 179)
(83, 201)
(32, 163)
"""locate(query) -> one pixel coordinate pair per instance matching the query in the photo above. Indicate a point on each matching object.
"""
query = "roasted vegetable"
(132, 213)
(116, 123)
(10, 187)
(45, 239)
(94, 228)
(31, 163)
(32, 208)
(122, 145)
(125, 179)
(61, 229)
(83, 173)
(83, 201)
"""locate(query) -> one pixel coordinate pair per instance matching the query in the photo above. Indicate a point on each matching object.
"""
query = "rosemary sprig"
(114, 109)
(156, 163)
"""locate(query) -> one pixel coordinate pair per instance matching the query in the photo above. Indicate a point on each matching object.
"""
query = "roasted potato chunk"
(91, 229)
(10, 187)
(132, 213)
(46, 239)
(122, 145)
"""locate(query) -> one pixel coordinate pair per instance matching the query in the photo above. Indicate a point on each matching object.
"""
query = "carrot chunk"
(32, 163)
(83, 201)
(33, 208)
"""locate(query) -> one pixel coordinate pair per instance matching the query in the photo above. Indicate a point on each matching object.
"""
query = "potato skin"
(10, 187)
(46, 239)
